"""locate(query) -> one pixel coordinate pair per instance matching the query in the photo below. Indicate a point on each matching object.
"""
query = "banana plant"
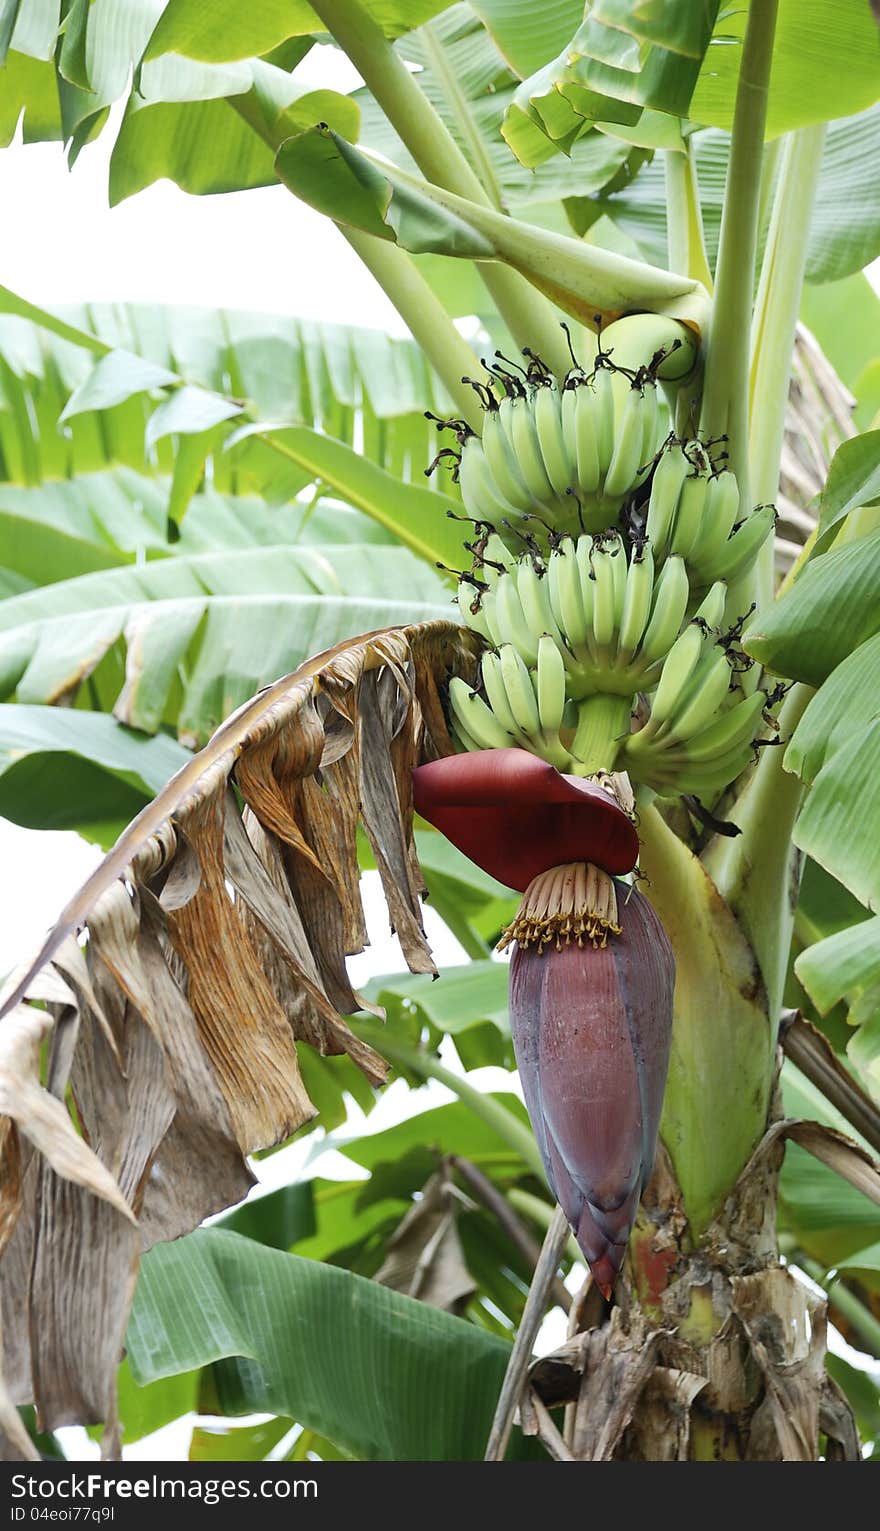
(604, 678)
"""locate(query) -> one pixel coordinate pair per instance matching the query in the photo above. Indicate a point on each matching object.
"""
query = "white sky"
(258, 249)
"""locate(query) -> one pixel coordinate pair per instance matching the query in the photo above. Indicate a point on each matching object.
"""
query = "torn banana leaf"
(217, 933)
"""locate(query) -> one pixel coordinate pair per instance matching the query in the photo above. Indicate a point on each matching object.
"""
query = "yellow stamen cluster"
(573, 902)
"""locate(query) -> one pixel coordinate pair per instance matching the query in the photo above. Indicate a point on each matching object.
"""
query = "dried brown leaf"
(661, 1428)
(847, 1158)
(785, 1326)
(40, 1116)
(217, 939)
(424, 1257)
(813, 1054)
(15, 1443)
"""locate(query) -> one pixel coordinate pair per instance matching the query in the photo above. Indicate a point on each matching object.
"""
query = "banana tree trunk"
(714, 1351)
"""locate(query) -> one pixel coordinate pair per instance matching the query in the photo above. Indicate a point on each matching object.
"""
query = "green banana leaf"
(183, 641)
(829, 610)
(62, 769)
(334, 378)
(621, 59)
(469, 83)
(853, 481)
(842, 708)
(824, 65)
(313, 1341)
(845, 223)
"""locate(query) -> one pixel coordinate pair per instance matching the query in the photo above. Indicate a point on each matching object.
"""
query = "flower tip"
(605, 1267)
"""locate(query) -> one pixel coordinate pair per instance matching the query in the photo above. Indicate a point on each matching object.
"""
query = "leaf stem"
(403, 284)
(527, 315)
(540, 1212)
(725, 399)
(754, 871)
(427, 1066)
(775, 321)
(520, 1356)
(464, 117)
(508, 1219)
(811, 1052)
(425, 317)
(686, 248)
(839, 1296)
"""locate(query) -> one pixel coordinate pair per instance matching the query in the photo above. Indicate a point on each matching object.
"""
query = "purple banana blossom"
(591, 976)
(591, 1031)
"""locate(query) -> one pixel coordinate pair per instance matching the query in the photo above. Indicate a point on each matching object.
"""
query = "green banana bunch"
(595, 620)
(584, 590)
(693, 513)
(560, 459)
(697, 738)
(704, 762)
(522, 706)
(610, 620)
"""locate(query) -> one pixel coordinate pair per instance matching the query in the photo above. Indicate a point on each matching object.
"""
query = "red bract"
(591, 1031)
(516, 816)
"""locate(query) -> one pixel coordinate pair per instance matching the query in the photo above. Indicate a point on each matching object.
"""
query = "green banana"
(466, 596)
(554, 595)
(667, 611)
(493, 685)
(603, 405)
(520, 692)
(568, 418)
(617, 552)
(559, 467)
(534, 594)
(669, 475)
(511, 621)
(566, 598)
(584, 549)
(502, 462)
(741, 549)
(709, 687)
(479, 491)
(519, 422)
(461, 737)
(629, 435)
(490, 616)
(604, 622)
(477, 720)
(586, 440)
(550, 686)
(721, 511)
(678, 667)
(711, 608)
(689, 514)
(651, 422)
(636, 603)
